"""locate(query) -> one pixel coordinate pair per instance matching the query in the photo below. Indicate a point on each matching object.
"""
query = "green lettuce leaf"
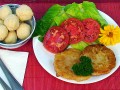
(60, 18)
(91, 10)
(75, 10)
(47, 21)
(85, 10)
(57, 14)
(81, 45)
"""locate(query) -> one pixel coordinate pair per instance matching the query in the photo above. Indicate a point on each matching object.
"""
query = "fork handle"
(13, 82)
(5, 86)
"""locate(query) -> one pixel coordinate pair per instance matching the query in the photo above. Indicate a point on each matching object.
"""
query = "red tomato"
(92, 30)
(74, 28)
(56, 39)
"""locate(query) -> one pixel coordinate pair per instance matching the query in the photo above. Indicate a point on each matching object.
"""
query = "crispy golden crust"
(103, 59)
(63, 63)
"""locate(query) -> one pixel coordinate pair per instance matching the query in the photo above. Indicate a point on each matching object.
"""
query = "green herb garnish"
(84, 68)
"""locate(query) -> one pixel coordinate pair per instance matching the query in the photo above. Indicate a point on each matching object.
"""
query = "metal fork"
(5, 86)
(13, 82)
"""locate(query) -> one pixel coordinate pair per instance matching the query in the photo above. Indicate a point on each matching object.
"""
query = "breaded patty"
(63, 63)
(103, 59)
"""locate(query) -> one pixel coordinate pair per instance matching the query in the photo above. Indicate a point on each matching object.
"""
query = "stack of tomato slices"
(71, 31)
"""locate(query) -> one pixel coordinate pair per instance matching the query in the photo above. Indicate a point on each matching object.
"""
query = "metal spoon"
(5, 86)
(13, 82)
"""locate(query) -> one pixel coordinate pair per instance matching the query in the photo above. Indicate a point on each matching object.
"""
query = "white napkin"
(15, 62)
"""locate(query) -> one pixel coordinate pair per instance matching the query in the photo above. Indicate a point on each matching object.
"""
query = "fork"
(13, 82)
(5, 86)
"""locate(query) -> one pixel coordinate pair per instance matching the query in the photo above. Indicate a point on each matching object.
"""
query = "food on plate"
(103, 59)
(57, 14)
(63, 63)
(78, 33)
(24, 12)
(79, 65)
(11, 38)
(88, 30)
(90, 11)
(1, 21)
(3, 32)
(47, 21)
(56, 39)
(85, 10)
(23, 31)
(80, 45)
(84, 67)
(75, 29)
(91, 31)
(110, 35)
(11, 22)
(5, 11)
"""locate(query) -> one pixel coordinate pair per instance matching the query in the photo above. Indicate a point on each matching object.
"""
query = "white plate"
(46, 59)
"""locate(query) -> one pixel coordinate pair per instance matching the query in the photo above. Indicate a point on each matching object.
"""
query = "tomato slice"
(74, 27)
(56, 39)
(91, 31)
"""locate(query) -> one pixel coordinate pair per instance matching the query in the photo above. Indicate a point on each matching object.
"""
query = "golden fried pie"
(103, 59)
(63, 63)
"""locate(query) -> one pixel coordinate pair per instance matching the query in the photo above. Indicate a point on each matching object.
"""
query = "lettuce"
(47, 21)
(75, 10)
(60, 18)
(85, 10)
(81, 45)
(91, 10)
(57, 14)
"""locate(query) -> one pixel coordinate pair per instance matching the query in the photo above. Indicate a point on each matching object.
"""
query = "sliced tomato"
(74, 27)
(91, 31)
(56, 39)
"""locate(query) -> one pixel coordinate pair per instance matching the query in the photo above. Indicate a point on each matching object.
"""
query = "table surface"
(36, 78)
